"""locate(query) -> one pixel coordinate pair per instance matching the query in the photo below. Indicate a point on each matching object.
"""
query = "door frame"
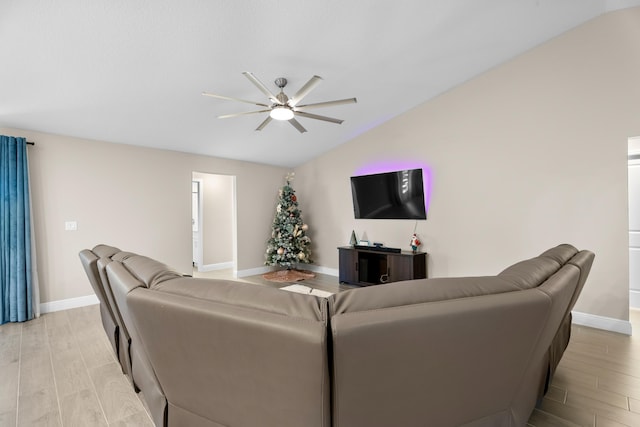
(197, 254)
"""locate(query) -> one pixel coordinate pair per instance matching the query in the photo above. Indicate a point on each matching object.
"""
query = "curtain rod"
(31, 143)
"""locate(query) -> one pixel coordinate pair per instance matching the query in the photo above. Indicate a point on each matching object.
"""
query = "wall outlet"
(70, 226)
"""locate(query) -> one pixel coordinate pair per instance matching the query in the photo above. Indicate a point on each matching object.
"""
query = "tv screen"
(391, 195)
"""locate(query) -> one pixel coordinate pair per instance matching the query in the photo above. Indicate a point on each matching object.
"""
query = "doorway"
(634, 222)
(213, 209)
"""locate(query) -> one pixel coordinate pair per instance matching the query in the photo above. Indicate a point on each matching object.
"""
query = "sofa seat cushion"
(247, 295)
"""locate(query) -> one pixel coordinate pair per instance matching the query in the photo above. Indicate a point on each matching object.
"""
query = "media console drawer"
(364, 267)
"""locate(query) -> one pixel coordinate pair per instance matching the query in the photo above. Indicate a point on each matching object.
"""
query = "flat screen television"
(391, 195)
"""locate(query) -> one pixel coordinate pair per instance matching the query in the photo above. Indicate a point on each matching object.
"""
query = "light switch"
(70, 226)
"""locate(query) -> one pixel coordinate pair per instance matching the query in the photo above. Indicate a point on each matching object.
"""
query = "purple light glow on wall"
(397, 165)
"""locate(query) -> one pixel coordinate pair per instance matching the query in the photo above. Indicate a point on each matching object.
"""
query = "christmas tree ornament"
(305, 227)
(280, 251)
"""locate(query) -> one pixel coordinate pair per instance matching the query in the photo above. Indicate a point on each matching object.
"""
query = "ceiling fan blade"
(296, 124)
(264, 123)
(315, 116)
(262, 87)
(304, 90)
(226, 116)
(327, 104)
(234, 99)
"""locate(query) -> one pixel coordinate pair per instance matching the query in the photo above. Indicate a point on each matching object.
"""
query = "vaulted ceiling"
(132, 72)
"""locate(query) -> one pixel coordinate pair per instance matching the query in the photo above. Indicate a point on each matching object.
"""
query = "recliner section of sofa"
(470, 351)
(456, 351)
(117, 275)
(89, 260)
(129, 351)
(123, 337)
(236, 354)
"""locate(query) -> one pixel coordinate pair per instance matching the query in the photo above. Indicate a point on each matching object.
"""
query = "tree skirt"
(288, 275)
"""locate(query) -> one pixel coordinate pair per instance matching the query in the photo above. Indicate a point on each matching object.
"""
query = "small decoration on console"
(415, 243)
(353, 240)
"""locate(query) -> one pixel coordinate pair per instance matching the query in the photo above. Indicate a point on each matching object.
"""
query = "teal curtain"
(16, 293)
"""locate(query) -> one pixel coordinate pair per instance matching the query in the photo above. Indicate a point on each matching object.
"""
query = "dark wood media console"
(364, 267)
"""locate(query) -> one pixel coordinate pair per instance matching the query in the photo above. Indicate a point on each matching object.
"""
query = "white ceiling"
(132, 71)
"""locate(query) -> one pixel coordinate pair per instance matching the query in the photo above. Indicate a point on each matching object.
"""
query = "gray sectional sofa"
(471, 351)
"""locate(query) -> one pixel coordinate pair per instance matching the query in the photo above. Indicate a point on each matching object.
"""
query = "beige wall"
(526, 156)
(217, 218)
(138, 199)
(529, 155)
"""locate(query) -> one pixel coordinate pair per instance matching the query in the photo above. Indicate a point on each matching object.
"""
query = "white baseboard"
(319, 269)
(634, 299)
(214, 267)
(600, 322)
(253, 271)
(65, 304)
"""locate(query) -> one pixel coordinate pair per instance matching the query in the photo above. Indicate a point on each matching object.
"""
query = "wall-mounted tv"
(391, 195)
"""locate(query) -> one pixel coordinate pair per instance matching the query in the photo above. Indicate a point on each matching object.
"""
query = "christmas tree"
(289, 243)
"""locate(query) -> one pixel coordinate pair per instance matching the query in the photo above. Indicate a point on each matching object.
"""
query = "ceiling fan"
(282, 107)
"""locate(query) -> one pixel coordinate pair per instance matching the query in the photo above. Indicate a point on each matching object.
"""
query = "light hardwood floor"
(59, 370)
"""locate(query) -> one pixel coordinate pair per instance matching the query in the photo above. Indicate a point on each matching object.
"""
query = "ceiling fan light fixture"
(281, 113)
(283, 108)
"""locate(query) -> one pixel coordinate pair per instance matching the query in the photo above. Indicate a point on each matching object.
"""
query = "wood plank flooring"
(597, 382)
(59, 370)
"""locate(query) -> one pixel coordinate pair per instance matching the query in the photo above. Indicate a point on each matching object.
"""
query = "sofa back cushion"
(247, 295)
(89, 260)
(123, 335)
(583, 260)
(121, 256)
(561, 253)
(446, 362)
(103, 251)
(530, 273)
(122, 283)
(417, 292)
(236, 354)
(149, 271)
